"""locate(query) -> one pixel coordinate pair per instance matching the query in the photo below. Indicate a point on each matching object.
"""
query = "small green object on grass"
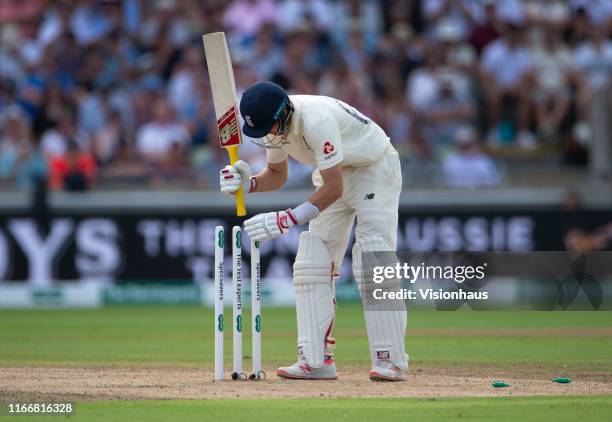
(500, 384)
(562, 380)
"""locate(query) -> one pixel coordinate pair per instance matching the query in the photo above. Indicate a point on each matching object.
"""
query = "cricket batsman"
(357, 175)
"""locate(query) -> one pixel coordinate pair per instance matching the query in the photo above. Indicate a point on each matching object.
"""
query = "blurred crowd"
(113, 93)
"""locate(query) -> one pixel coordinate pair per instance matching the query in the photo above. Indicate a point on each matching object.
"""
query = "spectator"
(202, 126)
(55, 106)
(73, 171)
(462, 14)
(102, 73)
(244, 18)
(19, 10)
(551, 14)
(296, 13)
(12, 71)
(394, 113)
(7, 95)
(185, 24)
(182, 91)
(362, 14)
(440, 59)
(510, 10)
(422, 84)
(599, 12)
(468, 166)
(506, 67)
(22, 167)
(156, 139)
(20, 164)
(15, 129)
(108, 140)
(593, 65)
(88, 23)
(266, 57)
(30, 48)
(91, 113)
(127, 168)
(304, 84)
(459, 56)
(301, 54)
(173, 166)
(551, 94)
(446, 112)
(55, 22)
(55, 140)
(486, 30)
(353, 52)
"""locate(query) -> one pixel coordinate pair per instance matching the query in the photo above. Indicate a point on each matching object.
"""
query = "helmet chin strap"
(284, 124)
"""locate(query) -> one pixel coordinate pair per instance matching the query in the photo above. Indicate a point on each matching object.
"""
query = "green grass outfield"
(568, 408)
(486, 409)
(182, 336)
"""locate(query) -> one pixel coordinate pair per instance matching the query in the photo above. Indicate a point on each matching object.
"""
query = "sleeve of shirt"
(275, 155)
(323, 137)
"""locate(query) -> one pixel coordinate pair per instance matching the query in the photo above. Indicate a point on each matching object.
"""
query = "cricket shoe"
(385, 370)
(302, 371)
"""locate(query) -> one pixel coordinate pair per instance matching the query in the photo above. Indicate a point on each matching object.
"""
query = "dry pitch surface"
(130, 383)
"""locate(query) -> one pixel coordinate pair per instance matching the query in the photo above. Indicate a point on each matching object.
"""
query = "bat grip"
(240, 209)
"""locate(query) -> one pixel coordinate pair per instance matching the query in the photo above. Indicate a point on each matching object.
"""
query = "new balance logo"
(368, 196)
(383, 354)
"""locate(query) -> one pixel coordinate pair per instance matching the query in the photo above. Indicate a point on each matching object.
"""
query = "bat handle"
(240, 209)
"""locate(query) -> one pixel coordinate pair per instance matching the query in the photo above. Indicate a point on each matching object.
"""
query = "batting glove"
(269, 225)
(231, 177)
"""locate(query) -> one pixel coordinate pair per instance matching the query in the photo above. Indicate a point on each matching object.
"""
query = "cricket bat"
(224, 98)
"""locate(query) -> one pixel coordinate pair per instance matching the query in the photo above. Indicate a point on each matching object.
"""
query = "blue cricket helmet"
(261, 106)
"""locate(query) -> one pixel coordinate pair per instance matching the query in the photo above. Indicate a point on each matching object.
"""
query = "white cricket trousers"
(371, 194)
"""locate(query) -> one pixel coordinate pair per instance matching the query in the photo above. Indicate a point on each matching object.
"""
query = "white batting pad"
(312, 276)
(387, 327)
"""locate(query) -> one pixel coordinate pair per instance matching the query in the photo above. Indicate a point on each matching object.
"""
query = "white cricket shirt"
(325, 132)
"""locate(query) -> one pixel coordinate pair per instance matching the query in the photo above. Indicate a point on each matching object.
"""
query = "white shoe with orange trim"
(386, 371)
(302, 371)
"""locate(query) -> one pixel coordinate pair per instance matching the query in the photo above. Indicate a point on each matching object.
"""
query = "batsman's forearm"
(268, 180)
(326, 195)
